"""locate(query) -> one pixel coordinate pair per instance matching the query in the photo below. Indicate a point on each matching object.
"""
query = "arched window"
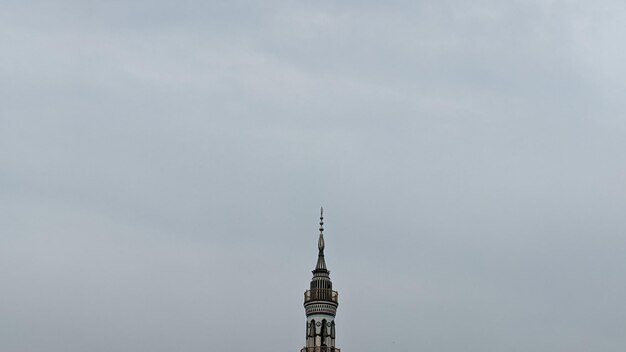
(324, 332)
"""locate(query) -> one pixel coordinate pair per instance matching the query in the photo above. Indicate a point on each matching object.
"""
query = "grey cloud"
(161, 167)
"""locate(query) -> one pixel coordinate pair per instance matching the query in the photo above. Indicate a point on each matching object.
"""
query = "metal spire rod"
(320, 243)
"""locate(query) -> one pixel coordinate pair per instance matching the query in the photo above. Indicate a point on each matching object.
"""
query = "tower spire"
(321, 262)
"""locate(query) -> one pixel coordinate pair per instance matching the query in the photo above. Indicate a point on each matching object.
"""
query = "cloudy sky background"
(162, 164)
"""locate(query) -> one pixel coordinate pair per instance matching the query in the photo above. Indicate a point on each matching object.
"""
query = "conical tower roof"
(321, 262)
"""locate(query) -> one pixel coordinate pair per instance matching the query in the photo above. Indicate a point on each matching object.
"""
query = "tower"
(320, 304)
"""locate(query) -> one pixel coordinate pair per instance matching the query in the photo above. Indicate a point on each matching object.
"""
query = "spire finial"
(320, 243)
(321, 219)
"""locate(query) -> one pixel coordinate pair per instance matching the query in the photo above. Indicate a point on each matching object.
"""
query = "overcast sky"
(162, 165)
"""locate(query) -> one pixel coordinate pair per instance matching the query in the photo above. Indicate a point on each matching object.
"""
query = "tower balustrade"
(320, 349)
(321, 294)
